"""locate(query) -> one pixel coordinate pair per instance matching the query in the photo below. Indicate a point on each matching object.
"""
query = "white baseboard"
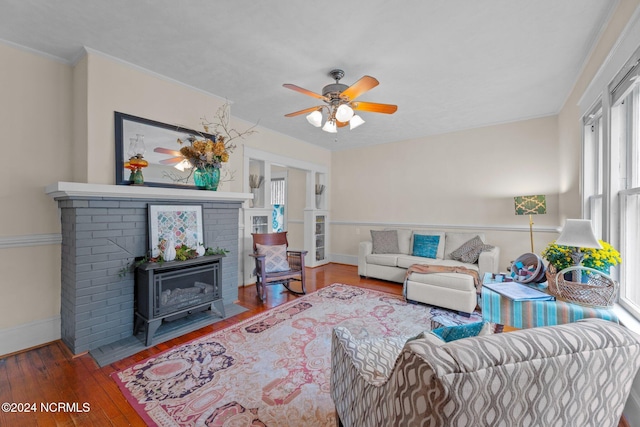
(29, 335)
(344, 259)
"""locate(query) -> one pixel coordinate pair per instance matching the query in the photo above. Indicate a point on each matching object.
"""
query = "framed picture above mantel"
(161, 150)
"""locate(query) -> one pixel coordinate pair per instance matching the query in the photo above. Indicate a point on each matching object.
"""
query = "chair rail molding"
(493, 227)
(8, 242)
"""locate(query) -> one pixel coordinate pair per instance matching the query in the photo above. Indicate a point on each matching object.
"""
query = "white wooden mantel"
(63, 190)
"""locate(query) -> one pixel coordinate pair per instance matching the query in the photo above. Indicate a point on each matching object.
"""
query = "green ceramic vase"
(207, 177)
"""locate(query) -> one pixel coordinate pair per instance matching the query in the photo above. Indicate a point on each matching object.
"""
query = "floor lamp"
(530, 205)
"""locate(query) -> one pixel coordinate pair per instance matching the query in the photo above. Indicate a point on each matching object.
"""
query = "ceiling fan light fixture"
(184, 164)
(355, 122)
(340, 101)
(330, 126)
(344, 113)
(315, 118)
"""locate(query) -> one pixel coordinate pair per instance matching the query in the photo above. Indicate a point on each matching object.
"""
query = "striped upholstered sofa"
(578, 374)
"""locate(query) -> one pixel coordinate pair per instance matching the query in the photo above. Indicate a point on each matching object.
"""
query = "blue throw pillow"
(452, 333)
(425, 246)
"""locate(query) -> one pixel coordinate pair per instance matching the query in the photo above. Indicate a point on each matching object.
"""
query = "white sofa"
(449, 290)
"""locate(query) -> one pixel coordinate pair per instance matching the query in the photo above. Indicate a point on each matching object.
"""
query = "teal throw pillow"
(425, 246)
(452, 333)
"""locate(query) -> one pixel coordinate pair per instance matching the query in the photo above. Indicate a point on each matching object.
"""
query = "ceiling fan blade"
(305, 91)
(361, 86)
(171, 161)
(341, 124)
(167, 151)
(375, 107)
(306, 110)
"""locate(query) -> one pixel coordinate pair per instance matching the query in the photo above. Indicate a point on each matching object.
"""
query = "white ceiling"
(448, 65)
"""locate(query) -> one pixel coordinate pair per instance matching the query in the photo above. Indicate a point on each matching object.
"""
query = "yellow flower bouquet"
(599, 259)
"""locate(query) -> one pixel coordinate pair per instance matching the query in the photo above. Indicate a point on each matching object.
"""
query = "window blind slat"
(278, 191)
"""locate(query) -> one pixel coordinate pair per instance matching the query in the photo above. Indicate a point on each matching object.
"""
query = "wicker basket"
(600, 290)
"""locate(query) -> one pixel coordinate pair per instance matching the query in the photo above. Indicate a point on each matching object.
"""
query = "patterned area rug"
(272, 369)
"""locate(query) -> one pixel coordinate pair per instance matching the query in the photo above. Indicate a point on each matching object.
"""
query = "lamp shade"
(355, 122)
(530, 205)
(344, 113)
(578, 233)
(330, 126)
(315, 118)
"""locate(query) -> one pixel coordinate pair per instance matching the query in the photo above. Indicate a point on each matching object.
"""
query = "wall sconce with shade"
(530, 205)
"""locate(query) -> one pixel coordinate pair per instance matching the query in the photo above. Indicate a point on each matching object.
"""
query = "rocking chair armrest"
(296, 259)
(258, 256)
(297, 252)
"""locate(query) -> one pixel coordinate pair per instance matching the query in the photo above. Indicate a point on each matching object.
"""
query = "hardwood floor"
(52, 376)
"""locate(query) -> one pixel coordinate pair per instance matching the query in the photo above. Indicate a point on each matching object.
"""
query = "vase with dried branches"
(206, 155)
(319, 191)
(255, 182)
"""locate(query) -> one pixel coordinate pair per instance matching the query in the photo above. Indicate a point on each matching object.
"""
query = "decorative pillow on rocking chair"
(275, 257)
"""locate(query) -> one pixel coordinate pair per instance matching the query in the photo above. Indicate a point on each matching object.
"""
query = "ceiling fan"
(340, 103)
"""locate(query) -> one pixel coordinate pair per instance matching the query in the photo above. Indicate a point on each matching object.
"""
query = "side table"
(529, 314)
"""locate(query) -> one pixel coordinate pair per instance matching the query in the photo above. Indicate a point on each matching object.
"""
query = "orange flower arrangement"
(213, 149)
(206, 152)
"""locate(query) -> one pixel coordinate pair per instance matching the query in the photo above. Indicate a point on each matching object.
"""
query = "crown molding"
(36, 52)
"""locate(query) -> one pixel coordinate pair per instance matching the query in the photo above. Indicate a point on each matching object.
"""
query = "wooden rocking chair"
(275, 263)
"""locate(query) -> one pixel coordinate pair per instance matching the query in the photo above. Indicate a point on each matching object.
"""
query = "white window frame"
(607, 88)
(593, 160)
(626, 137)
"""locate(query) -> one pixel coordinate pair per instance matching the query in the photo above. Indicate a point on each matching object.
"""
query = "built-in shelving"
(258, 213)
(320, 235)
(316, 237)
(260, 224)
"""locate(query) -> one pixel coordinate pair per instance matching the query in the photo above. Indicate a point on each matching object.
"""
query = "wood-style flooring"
(53, 376)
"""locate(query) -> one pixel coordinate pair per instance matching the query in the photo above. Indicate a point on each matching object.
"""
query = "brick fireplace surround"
(104, 227)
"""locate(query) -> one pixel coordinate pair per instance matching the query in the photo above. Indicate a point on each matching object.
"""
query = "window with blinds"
(278, 191)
